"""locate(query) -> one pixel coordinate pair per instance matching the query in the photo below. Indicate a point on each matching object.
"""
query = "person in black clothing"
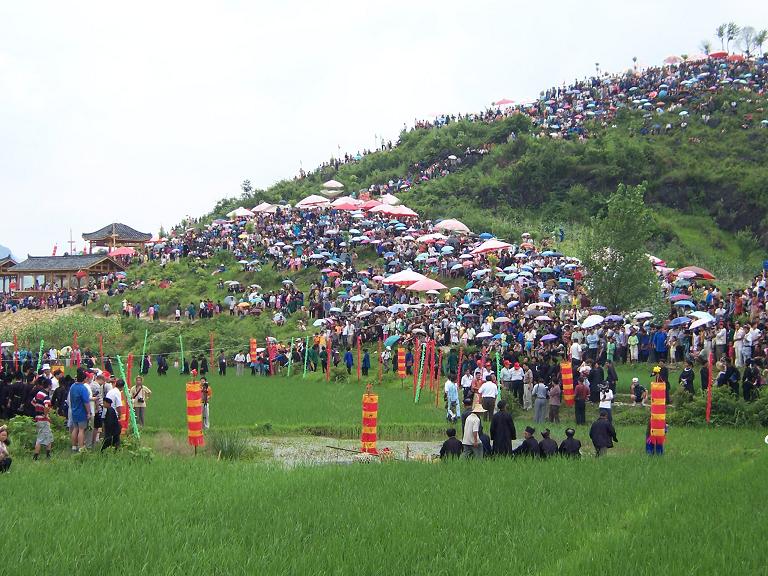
(749, 380)
(111, 426)
(704, 375)
(547, 446)
(194, 365)
(203, 365)
(570, 447)
(611, 377)
(687, 376)
(529, 447)
(452, 447)
(603, 434)
(222, 364)
(502, 430)
(731, 376)
(596, 379)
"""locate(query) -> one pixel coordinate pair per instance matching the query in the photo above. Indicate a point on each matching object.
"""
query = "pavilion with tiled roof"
(116, 235)
(6, 277)
(65, 271)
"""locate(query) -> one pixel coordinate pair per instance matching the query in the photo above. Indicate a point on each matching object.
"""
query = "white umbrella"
(482, 335)
(543, 319)
(319, 322)
(6, 345)
(699, 323)
(643, 316)
(364, 313)
(592, 320)
(357, 298)
(380, 309)
(502, 319)
(700, 315)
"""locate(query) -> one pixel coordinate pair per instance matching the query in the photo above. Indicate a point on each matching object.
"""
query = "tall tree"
(747, 39)
(706, 46)
(613, 251)
(760, 39)
(720, 33)
(732, 31)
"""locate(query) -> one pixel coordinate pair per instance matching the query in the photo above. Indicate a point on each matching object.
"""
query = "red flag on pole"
(328, 357)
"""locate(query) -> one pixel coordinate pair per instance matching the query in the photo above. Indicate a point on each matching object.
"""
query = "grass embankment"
(692, 512)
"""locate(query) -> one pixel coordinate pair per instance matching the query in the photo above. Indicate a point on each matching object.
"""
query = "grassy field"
(281, 405)
(692, 512)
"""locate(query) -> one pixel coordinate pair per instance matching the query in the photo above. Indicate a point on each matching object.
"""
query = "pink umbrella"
(426, 284)
(404, 278)
(370, 204)
(491, 245)
(504, 102)
(452, 225)
(123, 251)
(672, 60)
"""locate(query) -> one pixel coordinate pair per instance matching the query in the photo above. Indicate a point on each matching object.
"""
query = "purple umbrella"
(548, 338)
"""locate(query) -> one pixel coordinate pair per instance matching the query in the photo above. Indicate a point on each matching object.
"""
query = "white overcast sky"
(144, 112)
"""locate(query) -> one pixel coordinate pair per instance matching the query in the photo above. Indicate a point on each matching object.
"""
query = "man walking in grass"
(471, 439)
(603, 434)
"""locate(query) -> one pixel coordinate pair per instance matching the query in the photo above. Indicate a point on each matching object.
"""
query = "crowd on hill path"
(670, 97)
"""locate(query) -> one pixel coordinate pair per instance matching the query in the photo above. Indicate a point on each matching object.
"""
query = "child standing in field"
(207, 392)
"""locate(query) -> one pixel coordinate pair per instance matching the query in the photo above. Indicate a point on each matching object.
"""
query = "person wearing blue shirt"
(366, 364)
(349, 360)
(80, 410)
(660, 344)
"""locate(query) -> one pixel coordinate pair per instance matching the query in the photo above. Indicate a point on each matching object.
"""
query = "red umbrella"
(81, 274)
(696, 271)
(504, 102)
(718, 54)
(735, 58)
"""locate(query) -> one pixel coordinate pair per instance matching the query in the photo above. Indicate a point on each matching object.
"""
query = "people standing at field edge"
(5, 455)
(42, 405)
(222, 363)
(112, 428)
(139, 395)
(207, 392)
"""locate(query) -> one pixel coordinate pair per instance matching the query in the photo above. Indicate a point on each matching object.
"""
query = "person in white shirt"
(720, 339)
(539, 393)
(488, 392)
(471, 438)
(466, 383)
(738, 345)
(606, 401)
(239, 363)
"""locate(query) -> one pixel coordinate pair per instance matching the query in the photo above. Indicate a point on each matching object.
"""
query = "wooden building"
(117, 235)
(7, 278)
(66, 272)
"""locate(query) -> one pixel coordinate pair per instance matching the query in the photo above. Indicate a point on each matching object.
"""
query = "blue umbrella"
(685, 304)
(469, 285)
(565, 281)
(679, 321)
(486, 236)
(391, 340)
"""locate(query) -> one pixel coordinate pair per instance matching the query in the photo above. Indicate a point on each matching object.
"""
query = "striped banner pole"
(306, 356)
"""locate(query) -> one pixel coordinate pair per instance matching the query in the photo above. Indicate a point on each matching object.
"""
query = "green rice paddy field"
(698, 510)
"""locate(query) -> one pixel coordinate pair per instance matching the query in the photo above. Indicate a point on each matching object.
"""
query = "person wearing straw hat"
(471, 439)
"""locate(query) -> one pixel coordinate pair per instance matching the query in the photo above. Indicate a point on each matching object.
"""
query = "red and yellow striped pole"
(566, 375)
(401, 364)
(370, 417)
(195, 413)
(658, 412)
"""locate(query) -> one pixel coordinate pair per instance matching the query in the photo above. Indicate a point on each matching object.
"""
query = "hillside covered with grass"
(708, 183)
